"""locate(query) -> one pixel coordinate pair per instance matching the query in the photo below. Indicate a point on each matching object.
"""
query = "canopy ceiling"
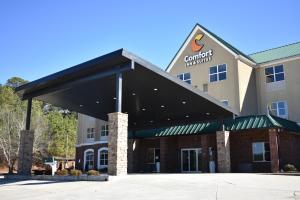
(151, 96)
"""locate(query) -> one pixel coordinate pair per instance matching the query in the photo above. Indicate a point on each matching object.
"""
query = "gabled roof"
(276, 53)
(213, 36)
(237, 124)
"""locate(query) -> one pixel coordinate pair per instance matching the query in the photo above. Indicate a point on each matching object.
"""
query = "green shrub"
(93, 173)
(62, 172)
(75, 172)
(290, 168)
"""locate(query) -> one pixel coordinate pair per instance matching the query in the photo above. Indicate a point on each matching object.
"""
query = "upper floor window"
(280, 109)
(90, 133)
(186, 77)
(274, 74)
(225, 102)
(104, 131)
(260, 151)
(218, 73)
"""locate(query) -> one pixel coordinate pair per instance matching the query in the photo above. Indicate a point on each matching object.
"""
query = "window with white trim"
(103, 158)
(217, 73)
(186, 77)
(274, 74)
(104, 130)
(280, 109)
(90, 134)
(225, 102)
(88, 159)
(260, 151)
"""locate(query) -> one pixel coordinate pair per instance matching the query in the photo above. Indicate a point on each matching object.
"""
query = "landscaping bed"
(63, 175)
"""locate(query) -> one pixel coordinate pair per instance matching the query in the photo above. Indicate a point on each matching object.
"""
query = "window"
(205, 87)
(261, 151)
(279, 108)
(104, 131)
(103, 158)
(218, 73)
(90, 133)
(88, 159)
(186, 77)
(225, 102)
(274, 74)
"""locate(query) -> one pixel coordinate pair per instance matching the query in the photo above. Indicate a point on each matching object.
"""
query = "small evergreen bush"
(290, 168)
(75, 172)
(62, 172)
(93, 173)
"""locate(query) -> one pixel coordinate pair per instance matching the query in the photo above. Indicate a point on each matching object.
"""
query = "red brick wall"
(170, 150)
(289, 149)
(80, 154)
(241, 150)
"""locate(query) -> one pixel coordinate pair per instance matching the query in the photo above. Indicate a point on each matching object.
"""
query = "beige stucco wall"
(247, 89)
(289, 92)
(85, 122)
(221, 90)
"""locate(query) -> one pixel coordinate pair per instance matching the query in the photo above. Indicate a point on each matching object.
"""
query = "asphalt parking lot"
(160, 186)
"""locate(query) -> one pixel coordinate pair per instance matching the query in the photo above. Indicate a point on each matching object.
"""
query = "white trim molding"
(91, 143)
(84, 157)
(98, 158)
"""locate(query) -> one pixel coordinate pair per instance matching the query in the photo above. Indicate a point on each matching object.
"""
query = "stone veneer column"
(273, 142)
(117, 143)
(204, 149)
(25, 152)
(223, 151)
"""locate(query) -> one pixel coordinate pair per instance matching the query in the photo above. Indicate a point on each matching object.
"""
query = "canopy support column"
(119, 79)
(28, 115)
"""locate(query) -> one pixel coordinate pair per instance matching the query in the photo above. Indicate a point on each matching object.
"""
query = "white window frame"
(90, 136)
(264, 152)
(183, 77)
(99, 157)
(84, 158)
(274, 73)
(103, 137)
(217, 73)
(276, 112)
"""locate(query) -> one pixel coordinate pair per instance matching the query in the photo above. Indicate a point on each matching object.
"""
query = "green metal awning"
(237, 124)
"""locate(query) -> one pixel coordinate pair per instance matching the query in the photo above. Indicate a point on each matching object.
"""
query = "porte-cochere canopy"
(150, 96)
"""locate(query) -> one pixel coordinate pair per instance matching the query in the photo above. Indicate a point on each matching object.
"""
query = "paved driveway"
(160, 186)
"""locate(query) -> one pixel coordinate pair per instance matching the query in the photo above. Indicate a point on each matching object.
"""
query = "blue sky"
(38, 38)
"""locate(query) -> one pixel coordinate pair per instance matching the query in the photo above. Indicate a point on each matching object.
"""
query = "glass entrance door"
(191, 160)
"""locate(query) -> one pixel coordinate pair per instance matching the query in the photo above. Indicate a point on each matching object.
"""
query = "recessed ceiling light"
(97, 102)
(143, 109)
(80, 105)
(133, 94)
(151, 121)
(155, 89)
(187, 116)
(115, 98)
(183, 102)
(162, 106)
(207, 113)
(168, 119)
(134, 123)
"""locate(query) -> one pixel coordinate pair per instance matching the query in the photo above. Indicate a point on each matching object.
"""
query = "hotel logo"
(196, 45)
(199, 56)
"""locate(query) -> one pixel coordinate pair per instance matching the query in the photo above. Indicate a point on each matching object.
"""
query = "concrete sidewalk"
(160, 186)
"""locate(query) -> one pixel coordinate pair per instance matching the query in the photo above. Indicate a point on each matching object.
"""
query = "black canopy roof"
(151, 96)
